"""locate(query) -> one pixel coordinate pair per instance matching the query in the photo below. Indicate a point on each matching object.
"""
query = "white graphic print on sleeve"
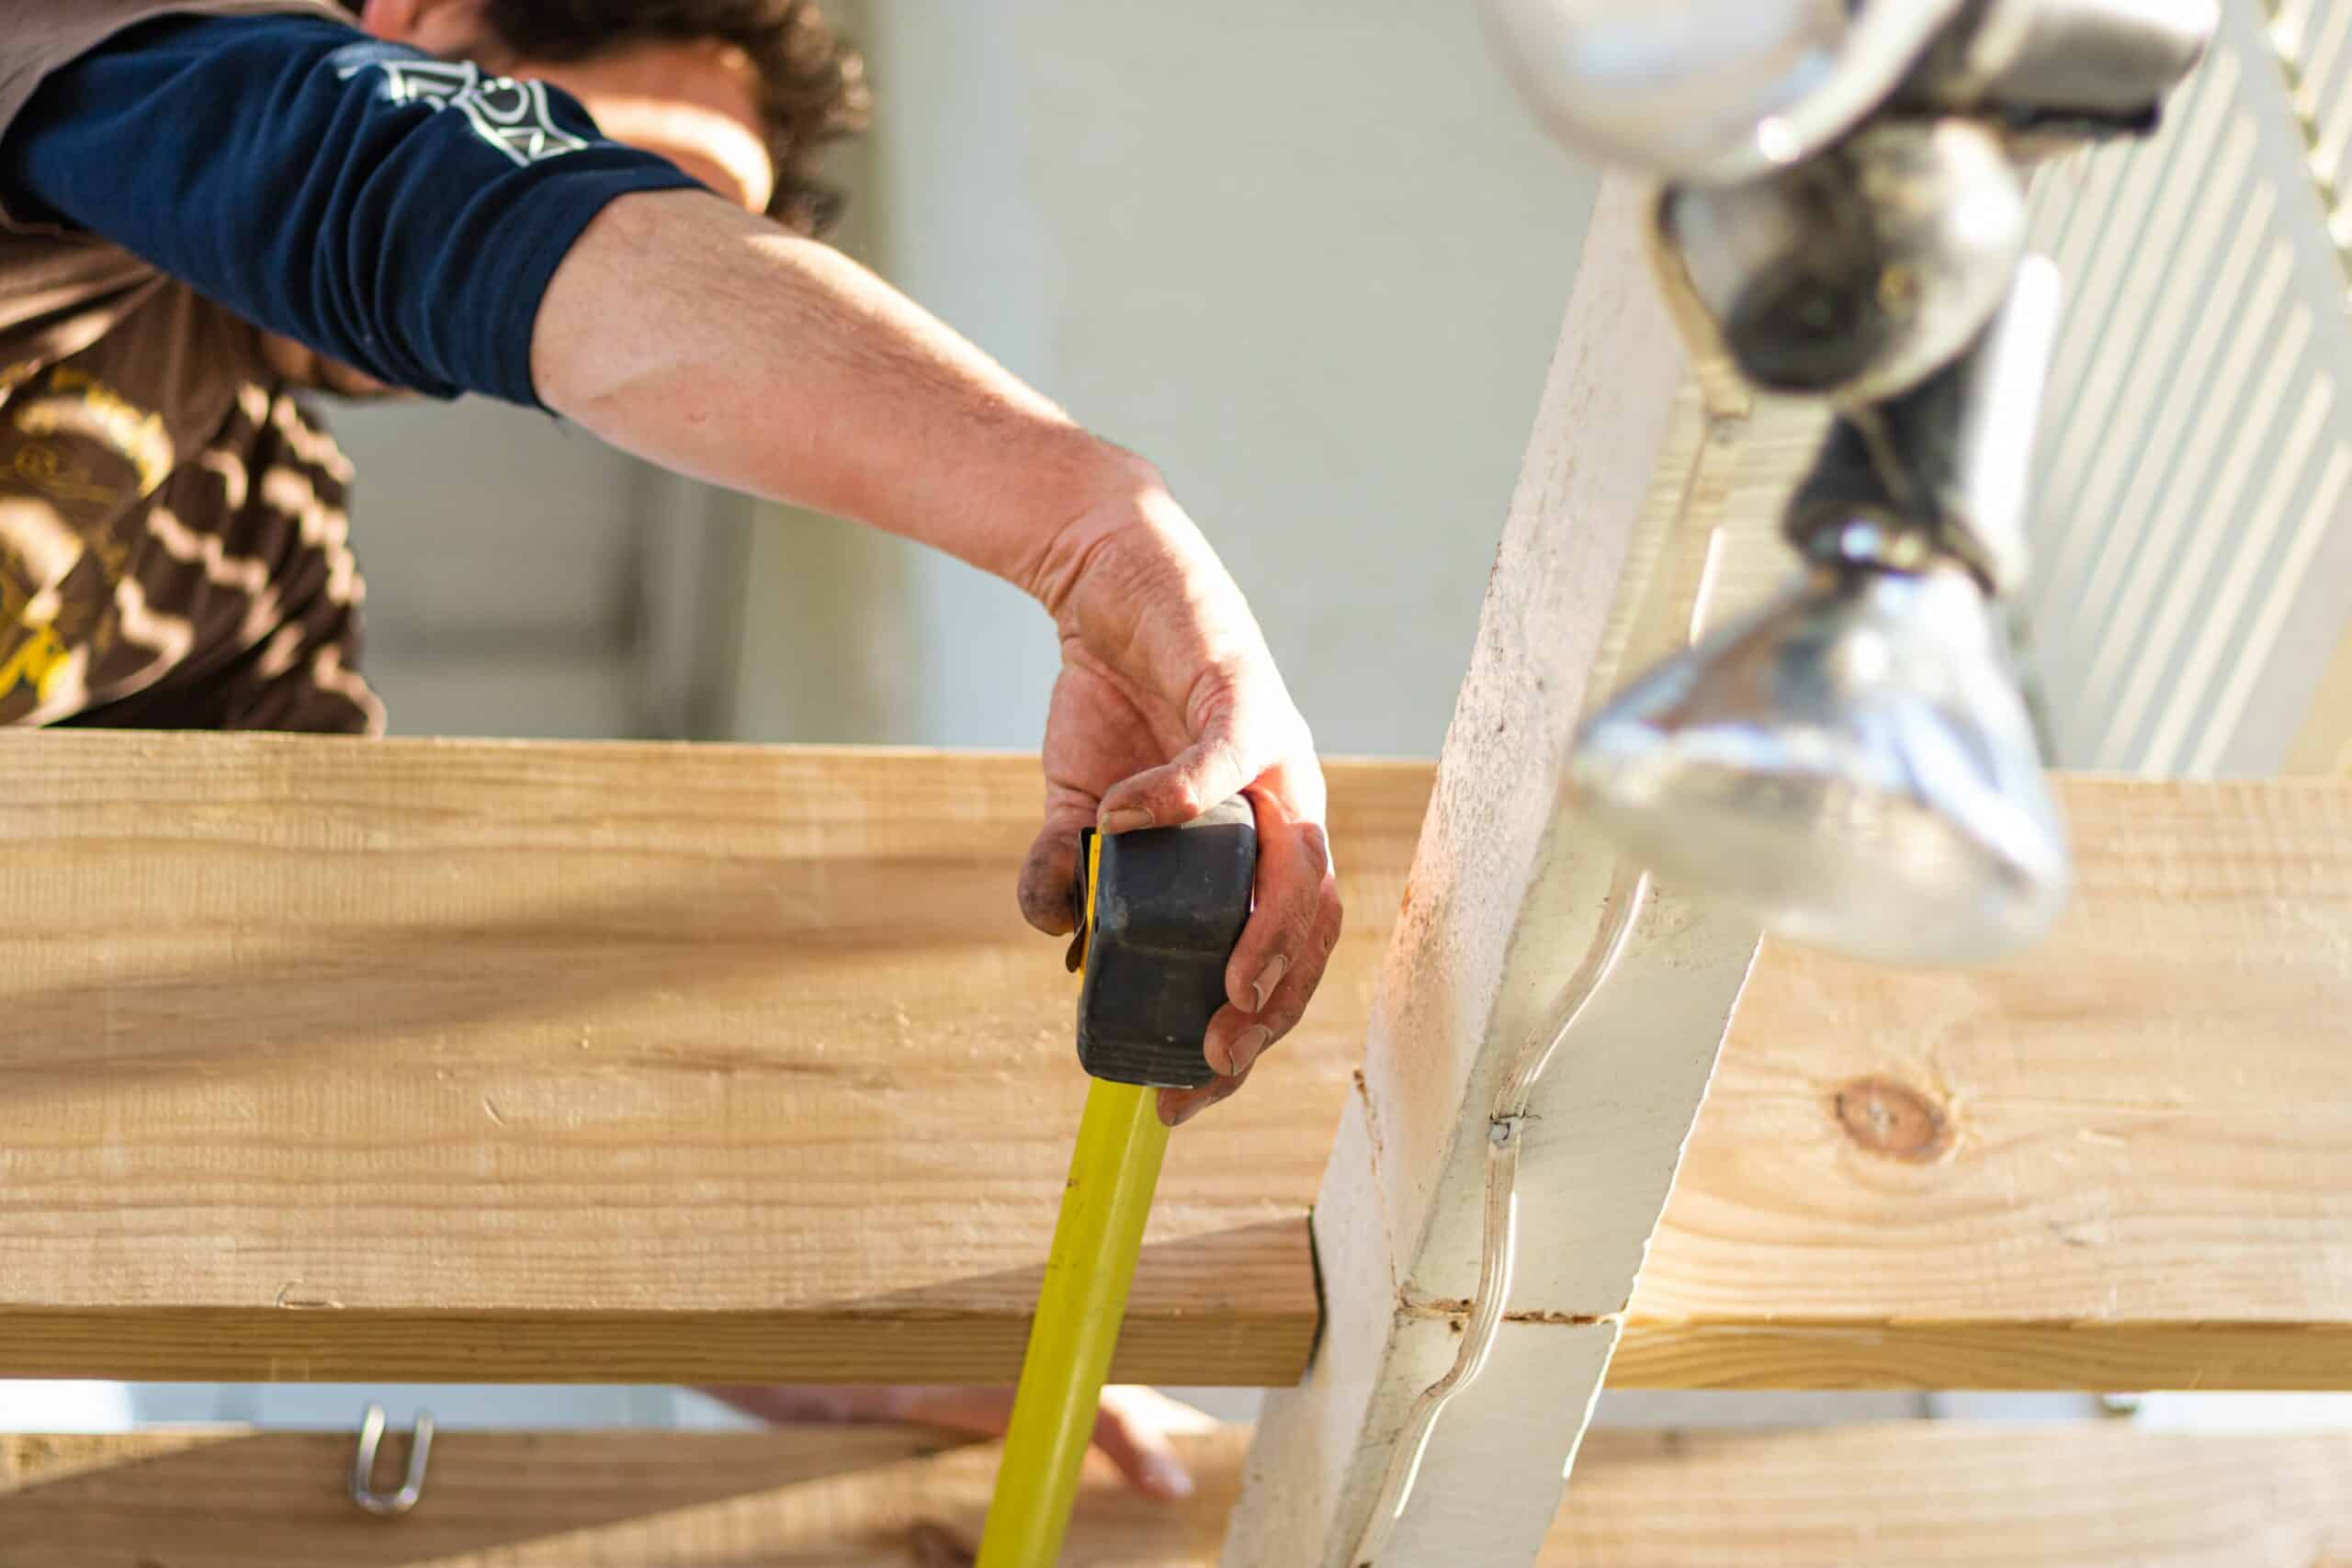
(510, 116)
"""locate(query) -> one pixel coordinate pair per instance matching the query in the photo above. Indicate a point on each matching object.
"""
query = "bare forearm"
(722, 346)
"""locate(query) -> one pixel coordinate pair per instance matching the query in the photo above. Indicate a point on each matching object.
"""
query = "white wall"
(1309, 260)
(2193, 507)
(500, 549)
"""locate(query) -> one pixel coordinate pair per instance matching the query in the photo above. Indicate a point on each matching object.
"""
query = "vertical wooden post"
(1599, 569)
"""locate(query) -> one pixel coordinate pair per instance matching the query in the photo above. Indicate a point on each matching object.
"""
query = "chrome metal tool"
(1842, 216)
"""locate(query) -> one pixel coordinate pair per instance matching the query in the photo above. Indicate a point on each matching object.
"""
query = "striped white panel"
(2193, 531)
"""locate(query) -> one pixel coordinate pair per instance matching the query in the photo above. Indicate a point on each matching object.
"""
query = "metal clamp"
(388, 1505)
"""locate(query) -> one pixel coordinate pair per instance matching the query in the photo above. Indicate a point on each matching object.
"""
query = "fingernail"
(1126, 819)
(1268, 978)
(1246, 1047)
(1184, 1111)
(1165, 1476)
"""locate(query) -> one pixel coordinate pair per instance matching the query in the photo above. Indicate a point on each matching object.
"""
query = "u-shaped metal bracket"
(385, 1505)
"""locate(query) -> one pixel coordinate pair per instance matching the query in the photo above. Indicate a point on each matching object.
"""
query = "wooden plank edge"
(2104, 1356)
(1268, 1350)
(1263, 1348)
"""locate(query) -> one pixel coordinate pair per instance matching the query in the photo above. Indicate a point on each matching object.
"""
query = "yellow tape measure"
(1154, 949)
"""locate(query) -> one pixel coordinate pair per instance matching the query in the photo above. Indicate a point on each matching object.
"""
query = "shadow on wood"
(1954, 1494)
(791, 1497)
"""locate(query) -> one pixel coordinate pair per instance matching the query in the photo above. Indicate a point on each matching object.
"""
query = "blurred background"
(1312, 264)
(1312, 261)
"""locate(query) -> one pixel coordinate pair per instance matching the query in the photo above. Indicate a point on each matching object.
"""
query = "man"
(206, 206)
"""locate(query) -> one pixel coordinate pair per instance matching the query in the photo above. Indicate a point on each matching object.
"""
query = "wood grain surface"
(1923, 1495)
(2122, 1161)
(469, 1060)
(426, 1060)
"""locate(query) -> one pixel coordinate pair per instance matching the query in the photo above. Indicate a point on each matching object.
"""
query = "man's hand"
(1168, 703)
(1131, 1428)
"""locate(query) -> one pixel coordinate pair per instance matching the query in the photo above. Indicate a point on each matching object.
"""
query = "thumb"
(1047, 875)
(1212, 768)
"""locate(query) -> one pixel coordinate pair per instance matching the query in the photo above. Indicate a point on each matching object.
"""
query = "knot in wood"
(1894, 1119)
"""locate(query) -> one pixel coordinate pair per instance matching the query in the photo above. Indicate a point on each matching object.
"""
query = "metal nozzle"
(1854, 764)
(1944, 470)
(1857, 273)
(2086, 63)
(1710, 89)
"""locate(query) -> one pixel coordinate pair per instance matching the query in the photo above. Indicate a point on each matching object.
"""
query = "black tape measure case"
(1161, 915)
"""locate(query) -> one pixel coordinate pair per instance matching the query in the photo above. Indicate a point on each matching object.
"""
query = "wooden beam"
(1604, 561)
(420, 1061)
(479, 1061)
(1957, 1495)
(2122, 1161)
(2098, 1495)
(234, 1498)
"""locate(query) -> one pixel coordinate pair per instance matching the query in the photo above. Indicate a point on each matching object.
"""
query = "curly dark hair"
(812, 83)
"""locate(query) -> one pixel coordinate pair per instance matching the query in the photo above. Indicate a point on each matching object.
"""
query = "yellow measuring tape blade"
(1113, 1172)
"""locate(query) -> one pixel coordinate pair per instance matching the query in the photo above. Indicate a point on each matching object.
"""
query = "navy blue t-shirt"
(392, 211)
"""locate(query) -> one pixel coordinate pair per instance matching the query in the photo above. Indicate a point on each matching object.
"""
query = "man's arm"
(447, 233)
(721, 345)
(717, 345)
